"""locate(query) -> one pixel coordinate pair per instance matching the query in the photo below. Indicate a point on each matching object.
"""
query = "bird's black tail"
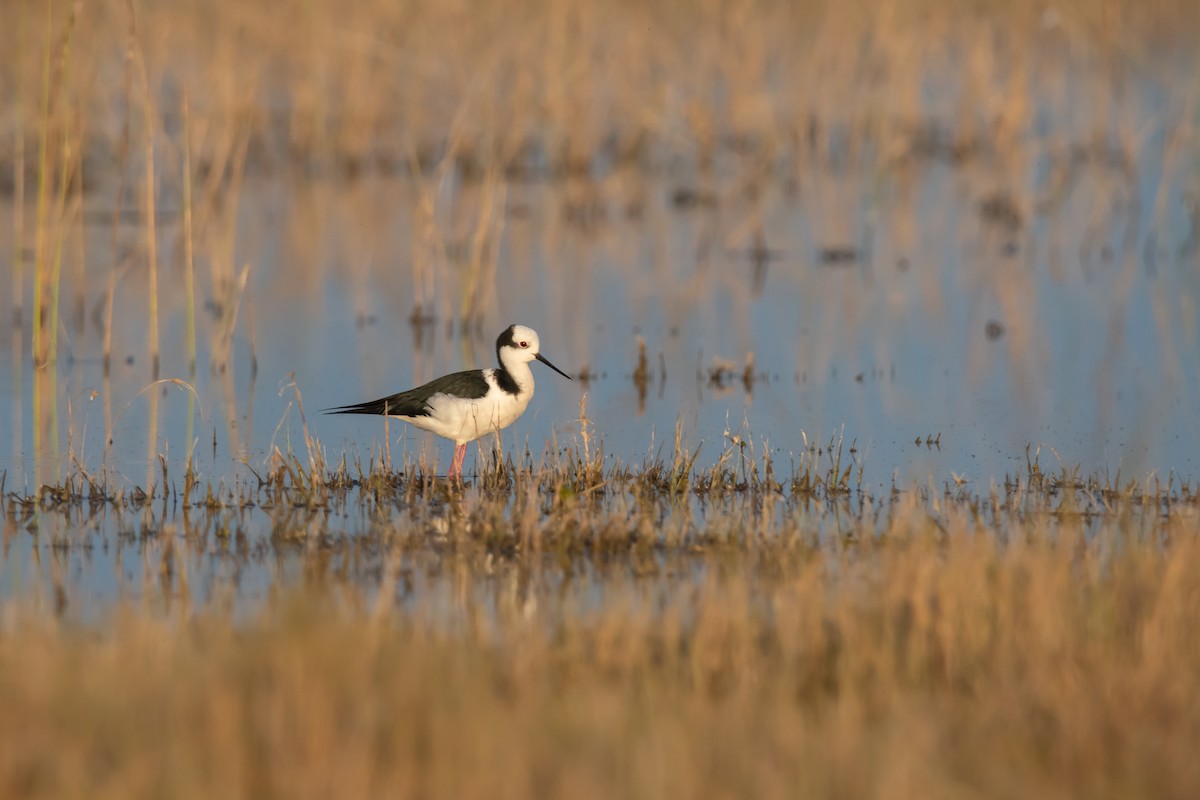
(394, 405)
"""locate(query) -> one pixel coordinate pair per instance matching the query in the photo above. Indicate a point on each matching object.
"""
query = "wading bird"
(465, 406)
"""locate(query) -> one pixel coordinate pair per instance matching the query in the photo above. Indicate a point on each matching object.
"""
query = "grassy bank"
(935, 660)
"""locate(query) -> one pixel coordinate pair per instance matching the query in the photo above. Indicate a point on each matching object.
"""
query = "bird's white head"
(520, 345)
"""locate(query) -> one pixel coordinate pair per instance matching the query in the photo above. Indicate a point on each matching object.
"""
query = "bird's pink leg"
(460, 452)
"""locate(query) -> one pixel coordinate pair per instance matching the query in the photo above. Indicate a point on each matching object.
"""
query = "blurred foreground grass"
(938, 659)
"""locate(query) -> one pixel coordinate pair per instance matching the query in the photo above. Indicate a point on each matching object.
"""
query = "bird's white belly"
(466, 420)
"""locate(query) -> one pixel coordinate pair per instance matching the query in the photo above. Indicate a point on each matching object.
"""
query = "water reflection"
(949, 333)
(546, 539)
(943, 294)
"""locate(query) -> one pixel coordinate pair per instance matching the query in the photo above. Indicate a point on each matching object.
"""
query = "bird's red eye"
(524, 344)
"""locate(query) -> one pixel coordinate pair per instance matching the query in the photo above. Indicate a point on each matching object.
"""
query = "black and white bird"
(467, 405)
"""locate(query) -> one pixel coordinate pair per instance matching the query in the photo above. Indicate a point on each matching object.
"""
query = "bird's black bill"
(546, 361)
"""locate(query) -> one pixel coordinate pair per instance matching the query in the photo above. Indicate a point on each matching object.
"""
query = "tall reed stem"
(43, 194)
(151, 226)
(188, 258)
(119, 196)
(64, 182)
(18, 258)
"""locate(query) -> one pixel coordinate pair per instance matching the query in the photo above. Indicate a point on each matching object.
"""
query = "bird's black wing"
(415, 402)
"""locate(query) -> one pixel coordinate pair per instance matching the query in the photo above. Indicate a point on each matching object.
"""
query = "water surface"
(942, 301)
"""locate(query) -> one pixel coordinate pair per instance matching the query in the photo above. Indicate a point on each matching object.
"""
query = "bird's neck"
(521, 374)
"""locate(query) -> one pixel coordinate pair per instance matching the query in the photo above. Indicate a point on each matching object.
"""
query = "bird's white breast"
(463, 420)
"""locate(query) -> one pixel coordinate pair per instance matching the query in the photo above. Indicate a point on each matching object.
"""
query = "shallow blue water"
(1093, 355)
(1044, 295)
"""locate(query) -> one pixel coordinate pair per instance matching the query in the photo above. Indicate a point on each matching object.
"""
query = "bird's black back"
(415, 402)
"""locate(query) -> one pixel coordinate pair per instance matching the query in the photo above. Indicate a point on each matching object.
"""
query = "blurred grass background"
(383, 84)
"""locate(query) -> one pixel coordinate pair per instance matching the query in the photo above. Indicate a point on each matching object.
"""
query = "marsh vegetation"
(878, 477)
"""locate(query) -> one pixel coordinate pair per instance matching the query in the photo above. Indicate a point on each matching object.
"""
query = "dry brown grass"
(934, 660)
